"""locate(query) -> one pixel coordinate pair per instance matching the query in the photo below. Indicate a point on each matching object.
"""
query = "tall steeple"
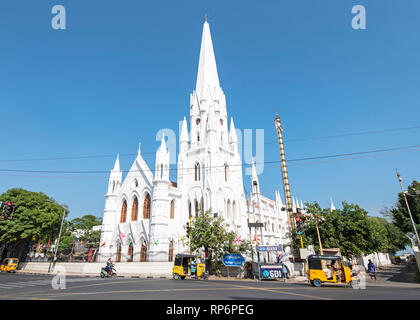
(117, 164)
(207, 70)
(115, 177)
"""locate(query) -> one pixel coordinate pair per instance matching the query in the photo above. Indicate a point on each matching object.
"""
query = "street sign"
(269, 248)
(255, 225)
(233, 260)
(271, 271)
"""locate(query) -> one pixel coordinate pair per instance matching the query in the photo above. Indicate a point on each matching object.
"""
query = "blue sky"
(123, 70)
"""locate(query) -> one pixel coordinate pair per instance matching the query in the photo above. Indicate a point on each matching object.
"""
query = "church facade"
(145, 214)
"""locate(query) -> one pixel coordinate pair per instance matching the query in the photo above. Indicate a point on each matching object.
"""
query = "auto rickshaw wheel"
(182, 277)
(316, 283)
(175, 276)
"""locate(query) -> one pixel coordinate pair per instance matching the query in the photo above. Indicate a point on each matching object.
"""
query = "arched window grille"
(134, 209)
(123, 212)
(146, 207)
(197, 172)
(172, 213)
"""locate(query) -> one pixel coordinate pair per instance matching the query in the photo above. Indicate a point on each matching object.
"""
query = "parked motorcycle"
(111, 273)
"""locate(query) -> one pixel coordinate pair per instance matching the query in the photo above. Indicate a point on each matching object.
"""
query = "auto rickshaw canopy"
(9, 261)
(181, 256)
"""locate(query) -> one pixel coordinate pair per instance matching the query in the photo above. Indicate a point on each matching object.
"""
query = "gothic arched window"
(123, 212)
(118, 254)
(172, 213)
(171, 251)
(143, 251)
(134, 209)
(146, 207)
(226, 172)
(196, 207)
(197, 172)
(130, 253)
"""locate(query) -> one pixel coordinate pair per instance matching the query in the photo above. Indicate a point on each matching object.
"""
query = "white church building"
(145, 214)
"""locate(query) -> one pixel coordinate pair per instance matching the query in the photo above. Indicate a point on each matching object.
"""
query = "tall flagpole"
(286, 185)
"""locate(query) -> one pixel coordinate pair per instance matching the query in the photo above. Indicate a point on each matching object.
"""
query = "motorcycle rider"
(109, 265)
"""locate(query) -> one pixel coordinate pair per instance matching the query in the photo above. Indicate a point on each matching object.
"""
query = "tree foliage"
(209, 233)
(351, 230)
(399, 213)
(37, 217)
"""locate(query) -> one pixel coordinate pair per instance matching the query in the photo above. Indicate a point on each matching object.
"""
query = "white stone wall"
(378, 258)
(144, 269)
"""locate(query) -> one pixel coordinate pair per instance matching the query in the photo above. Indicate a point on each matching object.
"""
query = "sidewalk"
(395, 276)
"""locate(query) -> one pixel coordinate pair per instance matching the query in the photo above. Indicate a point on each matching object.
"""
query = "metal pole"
(286, 185)
(319, 237)
(190, 235)
(58, 241)
(408, 208)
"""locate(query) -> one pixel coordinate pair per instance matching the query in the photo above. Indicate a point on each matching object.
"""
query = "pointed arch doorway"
(143, 251)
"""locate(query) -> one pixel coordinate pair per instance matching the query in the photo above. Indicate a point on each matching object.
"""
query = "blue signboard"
(233, 260)
(269, 248)
(271, 272)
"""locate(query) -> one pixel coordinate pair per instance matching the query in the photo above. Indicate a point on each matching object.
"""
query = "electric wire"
(265, 143)
(364, 154)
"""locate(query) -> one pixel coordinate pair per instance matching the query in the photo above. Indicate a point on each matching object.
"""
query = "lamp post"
(58, 241)
(408, 208)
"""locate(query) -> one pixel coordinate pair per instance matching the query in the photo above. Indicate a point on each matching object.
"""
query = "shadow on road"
(405, 273)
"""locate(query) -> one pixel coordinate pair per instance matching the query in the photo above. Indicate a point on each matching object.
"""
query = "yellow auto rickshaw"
(182, 265)
(9, 265)
(328, 269)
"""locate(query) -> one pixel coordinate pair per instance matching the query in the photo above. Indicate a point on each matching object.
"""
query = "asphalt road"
(40, 287)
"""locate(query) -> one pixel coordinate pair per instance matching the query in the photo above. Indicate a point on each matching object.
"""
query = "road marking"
(41, 282)
(62, 293)
(286, 292)
(79, 287)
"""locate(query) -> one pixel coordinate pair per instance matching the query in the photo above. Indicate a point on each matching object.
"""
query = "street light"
(58, 240)
(408, 207)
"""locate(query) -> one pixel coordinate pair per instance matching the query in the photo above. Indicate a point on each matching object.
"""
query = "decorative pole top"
(205, 17)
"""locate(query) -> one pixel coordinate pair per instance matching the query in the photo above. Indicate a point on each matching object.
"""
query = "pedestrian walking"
(193, 267)
(372, 270)
(284, 270)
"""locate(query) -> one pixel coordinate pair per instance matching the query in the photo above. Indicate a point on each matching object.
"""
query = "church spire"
(117, 164)
(207, 70)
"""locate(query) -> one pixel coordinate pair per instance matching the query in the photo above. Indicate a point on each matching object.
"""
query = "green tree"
(209, 233)
(37, 219)
(85, 223)
(350, 229)
(83, 226)
(399, 213)
(394, 238)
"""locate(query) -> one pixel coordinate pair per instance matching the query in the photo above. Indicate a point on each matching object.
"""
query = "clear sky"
(122, 70)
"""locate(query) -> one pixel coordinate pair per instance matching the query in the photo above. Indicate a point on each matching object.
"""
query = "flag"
(103, 243)
(238, 240)
(48, 245)
(122, 235)
(283, 257)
